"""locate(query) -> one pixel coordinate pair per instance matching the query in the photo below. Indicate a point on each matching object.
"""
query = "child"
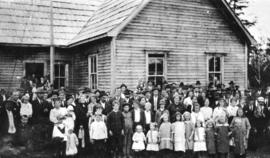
(210, 139)
(165, 136)
(115, 123)
(128, 129)
(222, 137)
(26, 110)
(152, 141)
(189, 128)
(240, 132)
(178, 131)
(199, 139)
(138, 142)
(70, 118)
(71, 145)
(98, 136)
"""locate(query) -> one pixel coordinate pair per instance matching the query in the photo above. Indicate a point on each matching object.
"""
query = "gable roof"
(110, 15)
(121, 12)
(28, 21)
(76, 21)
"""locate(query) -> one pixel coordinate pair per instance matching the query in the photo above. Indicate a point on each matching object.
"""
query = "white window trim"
(66, 72)
(164, 63)
(208, 56)
(89, 69)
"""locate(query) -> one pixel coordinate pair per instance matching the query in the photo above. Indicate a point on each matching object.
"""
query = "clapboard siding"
(12, 64)
(103, 49)
(185, 29)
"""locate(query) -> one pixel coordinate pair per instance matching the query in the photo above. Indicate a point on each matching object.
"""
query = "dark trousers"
(151, 154)
(127, 142)
(59, 147)
(222, 155)
(138, 154)
(240, 156)
(99, 148)
(116, 141)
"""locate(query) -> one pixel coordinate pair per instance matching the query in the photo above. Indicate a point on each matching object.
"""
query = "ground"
(9, 151)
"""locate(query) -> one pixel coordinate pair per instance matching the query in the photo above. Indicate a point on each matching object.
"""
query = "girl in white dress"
(178, 131)
(138, 142)
(152, 138)
(199, 140)
(72, 143)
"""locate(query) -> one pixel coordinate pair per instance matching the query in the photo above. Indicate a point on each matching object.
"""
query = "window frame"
(164, 63)
(221, 72)
(89, 70)
(66, 70)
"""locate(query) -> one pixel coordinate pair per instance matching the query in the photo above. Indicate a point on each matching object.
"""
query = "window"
(60, 75)
(156, 68)
(92, 69)
(215, 69)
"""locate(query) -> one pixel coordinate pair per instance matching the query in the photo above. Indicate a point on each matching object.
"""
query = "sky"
(259, 10)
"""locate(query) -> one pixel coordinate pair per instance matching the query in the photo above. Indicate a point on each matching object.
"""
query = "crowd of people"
(169, 120)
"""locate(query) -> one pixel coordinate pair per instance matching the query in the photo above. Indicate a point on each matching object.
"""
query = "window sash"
(214, 71)
(92, 71)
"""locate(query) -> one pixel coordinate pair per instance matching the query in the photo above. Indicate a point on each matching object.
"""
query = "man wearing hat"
(155, 99)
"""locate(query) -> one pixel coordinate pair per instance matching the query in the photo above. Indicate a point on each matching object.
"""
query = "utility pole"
(52, 53)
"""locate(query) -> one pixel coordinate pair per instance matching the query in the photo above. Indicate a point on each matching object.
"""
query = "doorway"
(34, 68)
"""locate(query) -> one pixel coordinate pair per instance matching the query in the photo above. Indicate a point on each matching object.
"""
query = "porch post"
(52, 53)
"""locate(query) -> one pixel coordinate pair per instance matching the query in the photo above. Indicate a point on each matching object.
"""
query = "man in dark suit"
(9, 119)
(155, 99)
(138, 115)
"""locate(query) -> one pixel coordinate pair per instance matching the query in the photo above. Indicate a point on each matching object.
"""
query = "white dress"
(71, 145)
(199, 140)
(138, 141)
(152, 137)
(178, 128)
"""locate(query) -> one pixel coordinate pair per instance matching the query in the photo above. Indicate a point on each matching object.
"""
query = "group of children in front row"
(181, 138)
(188, 140)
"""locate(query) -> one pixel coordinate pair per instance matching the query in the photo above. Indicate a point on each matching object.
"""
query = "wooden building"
(103, 43)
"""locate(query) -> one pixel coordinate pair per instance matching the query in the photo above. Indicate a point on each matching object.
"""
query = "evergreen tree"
(238, 7)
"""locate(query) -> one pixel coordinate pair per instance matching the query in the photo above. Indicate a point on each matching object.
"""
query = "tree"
(238, 7)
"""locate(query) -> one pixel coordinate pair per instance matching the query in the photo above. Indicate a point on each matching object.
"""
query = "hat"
(181, 84)
(231, 83)
(126, 104)
(86, 90)
(123, 85)
(168, 86)
(146, 91)
(260, 99)
(69, 96)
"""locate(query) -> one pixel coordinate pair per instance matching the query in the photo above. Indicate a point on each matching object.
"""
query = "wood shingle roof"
(74, 21)
(28, 21)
